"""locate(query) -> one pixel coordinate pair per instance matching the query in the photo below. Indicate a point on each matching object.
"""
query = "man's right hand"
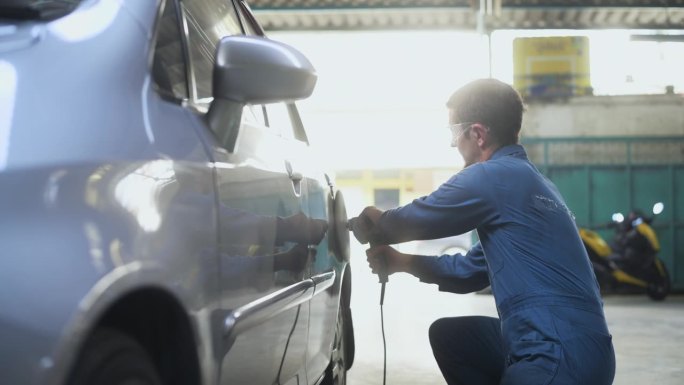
(396, 261)
(363, 226)
(372, 213)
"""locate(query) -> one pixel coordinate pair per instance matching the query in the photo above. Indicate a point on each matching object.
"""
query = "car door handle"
(296, 176)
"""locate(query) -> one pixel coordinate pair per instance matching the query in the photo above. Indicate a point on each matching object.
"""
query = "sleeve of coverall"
(461, 204)
(454, 273)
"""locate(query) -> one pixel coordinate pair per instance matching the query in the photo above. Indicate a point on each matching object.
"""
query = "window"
(278, 120)
(254, 114)
(252, 29)
(283, 120)
(386, 199)
(208, 21)
(248, 21)
(387, 174)
(168, 68)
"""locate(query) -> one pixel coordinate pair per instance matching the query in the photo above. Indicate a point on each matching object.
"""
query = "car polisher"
(361, 227)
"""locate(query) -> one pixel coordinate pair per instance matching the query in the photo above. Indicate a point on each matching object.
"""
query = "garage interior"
(599, 153)
(606, 153)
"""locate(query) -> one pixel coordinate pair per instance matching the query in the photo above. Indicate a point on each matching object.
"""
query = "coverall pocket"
(532, 363)
(533, 349)
(589, 355)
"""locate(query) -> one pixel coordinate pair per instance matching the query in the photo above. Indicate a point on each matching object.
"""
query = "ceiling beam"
(387, 4)
(461, 18)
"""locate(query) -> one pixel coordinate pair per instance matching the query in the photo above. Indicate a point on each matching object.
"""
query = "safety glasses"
(458, 129)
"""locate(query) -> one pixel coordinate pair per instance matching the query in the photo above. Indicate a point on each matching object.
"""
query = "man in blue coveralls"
(551, 327)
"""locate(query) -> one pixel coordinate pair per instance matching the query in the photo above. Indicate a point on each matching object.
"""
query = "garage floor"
(648, 336)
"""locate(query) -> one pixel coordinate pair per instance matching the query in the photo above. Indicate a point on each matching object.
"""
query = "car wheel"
(336, 373)
(110, 357)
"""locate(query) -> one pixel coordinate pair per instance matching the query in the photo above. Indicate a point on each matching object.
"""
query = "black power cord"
(384, 342)
(382, 276)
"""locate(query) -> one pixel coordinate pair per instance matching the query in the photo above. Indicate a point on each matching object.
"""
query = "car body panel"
(48, 66)
(82, 236)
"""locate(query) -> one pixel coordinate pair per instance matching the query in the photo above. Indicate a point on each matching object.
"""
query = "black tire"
(345, 308)
(659, 289)
(110, 357)
(349, 344)
(336, 372)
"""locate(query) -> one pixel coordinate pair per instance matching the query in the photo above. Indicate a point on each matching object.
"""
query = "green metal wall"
(602, 176)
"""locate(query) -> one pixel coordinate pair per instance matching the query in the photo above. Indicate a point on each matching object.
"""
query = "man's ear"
(481, 135)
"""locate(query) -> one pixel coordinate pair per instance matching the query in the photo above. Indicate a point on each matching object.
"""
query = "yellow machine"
(548, 67)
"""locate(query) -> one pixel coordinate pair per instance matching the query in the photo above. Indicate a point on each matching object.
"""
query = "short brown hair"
(493, 103)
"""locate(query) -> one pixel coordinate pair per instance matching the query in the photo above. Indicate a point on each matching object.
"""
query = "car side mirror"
(254, 70)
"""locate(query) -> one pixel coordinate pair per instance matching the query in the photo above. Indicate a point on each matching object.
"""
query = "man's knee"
(468, 349)
(464, 333)
(438, 331)
(450, 334)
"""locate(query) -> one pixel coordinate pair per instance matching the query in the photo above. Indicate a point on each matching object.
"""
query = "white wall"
(634, 115)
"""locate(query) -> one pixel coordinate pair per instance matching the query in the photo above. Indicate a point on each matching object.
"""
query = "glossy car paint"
(107, 190)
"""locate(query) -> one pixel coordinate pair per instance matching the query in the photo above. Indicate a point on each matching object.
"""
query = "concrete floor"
(648, 336)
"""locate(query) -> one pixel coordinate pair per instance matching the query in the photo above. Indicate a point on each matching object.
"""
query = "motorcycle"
(632, 259)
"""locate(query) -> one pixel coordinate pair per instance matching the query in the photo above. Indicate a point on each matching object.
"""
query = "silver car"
(162, 220)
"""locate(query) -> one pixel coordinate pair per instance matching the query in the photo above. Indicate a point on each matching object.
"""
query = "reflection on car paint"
(139, 192)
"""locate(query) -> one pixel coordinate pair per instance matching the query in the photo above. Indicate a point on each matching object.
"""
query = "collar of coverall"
(511, 149)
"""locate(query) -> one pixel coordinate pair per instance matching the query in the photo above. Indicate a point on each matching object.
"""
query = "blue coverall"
(552, 325)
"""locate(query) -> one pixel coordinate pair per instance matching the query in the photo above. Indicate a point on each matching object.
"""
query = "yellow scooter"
(632, 260)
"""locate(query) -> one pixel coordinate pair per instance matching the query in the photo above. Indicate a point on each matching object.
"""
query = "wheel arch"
(159, 323)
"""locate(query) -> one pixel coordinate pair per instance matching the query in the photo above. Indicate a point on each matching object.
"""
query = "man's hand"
(396, 261)
(373, 213)
(363, 226)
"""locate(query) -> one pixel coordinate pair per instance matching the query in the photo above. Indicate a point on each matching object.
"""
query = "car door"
(263, 263)
(326, 267)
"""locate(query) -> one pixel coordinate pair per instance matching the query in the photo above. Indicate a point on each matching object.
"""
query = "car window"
(252, 29)
(254, 114)
(207, 21)
(283, 120)
(278, 120)
(248, 22)
(168, 68)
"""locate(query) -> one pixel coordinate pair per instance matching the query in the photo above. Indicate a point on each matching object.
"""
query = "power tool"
(362, 228)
